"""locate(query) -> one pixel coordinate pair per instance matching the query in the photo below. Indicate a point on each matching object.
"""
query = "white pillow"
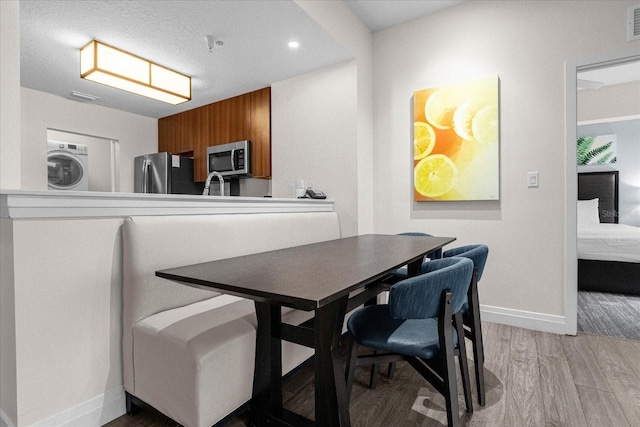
(588, 212)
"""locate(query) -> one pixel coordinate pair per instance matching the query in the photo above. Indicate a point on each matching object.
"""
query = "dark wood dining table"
(329, 278)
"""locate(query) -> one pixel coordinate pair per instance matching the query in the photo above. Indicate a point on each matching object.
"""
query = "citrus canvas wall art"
(456, 141)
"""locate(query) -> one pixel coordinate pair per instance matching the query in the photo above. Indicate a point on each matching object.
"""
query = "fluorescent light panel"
(114, 67)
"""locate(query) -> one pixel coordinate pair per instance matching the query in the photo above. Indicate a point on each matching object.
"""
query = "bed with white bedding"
(608, 252)
(609, 242)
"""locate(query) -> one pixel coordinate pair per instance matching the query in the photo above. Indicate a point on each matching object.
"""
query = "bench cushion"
(163, 321)
(205, 352)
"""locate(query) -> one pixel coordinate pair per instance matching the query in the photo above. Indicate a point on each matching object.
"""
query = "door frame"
(571, 179)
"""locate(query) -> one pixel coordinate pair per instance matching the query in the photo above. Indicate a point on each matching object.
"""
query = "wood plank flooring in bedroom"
(613, 315)
(532, 379)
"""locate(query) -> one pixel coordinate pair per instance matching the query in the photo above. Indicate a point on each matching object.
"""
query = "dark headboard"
(604, 186)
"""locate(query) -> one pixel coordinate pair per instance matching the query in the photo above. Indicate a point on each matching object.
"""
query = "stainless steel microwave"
(232, 159)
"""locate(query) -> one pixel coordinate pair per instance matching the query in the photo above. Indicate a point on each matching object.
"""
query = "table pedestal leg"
(413, 268)
(267, 377)
(331, 400)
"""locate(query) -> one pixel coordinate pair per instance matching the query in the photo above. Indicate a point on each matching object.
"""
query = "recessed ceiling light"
(294, 45)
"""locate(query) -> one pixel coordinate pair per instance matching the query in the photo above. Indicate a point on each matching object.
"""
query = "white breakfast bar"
(61, 292)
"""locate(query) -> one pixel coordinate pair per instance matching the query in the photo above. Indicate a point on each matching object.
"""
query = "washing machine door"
(65, 170)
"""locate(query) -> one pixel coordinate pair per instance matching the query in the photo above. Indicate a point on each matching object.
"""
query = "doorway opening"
(580, 76)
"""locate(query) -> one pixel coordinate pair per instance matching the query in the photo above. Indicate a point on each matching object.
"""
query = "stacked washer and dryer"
(67, 166)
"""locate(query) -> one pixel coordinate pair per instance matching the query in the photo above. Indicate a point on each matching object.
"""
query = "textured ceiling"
(380, 14)
(172, 33)
(255, 34)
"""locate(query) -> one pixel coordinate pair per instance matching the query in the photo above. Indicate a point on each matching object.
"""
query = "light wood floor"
(532, 379)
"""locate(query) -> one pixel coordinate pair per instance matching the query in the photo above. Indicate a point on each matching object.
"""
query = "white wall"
(9, 179)
(8, 380)
(340, 21)
(136, 135)
(313, 137)
(526, 44)
(10, 94)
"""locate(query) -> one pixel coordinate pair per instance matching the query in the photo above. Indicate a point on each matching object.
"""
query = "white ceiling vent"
(83, 96)
(633, 23)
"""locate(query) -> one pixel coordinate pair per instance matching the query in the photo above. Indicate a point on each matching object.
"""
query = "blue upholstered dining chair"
(433, 255)
(471, 309)
(402, 271)
(399, 274)
(422, 324)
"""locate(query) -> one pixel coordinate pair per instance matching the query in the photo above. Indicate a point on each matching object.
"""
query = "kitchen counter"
(18, 204)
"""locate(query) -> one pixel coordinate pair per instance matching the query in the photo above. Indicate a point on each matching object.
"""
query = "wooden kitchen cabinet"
(237, 119)
(242, 117)
(260, 135)
(168, 133)
(200, 136)
(181, 133)
(229, 120)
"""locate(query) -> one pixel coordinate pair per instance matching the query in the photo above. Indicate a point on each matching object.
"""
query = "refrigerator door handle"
(146, 164)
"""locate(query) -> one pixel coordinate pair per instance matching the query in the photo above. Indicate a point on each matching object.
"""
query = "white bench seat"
(212, 341)
(189, 352)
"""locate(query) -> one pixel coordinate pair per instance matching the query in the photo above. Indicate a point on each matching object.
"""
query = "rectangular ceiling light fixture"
(114, 67)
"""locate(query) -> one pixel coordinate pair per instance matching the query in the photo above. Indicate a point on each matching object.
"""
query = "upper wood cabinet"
(168, 134)
(261, 133)
(183, 132)
(242, 117)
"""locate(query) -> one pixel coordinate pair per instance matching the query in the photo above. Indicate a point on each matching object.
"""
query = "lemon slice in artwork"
(424, 138)
(485, 125)
(462, 119)
(440, 107)
(435, 175)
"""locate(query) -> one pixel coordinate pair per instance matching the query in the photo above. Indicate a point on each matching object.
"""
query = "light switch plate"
(532, 179)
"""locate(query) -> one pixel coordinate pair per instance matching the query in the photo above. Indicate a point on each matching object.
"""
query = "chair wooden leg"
(352, 362)
(475, 326)
(391, 370)
(464, 364)
(451, 398)
(373, 376)
(373, 379)
(478, 362)
(447, 360)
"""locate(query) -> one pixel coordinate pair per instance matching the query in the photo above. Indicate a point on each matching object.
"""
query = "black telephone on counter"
(315, 194)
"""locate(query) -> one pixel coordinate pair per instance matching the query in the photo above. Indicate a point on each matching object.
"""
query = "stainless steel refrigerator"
(165, 173)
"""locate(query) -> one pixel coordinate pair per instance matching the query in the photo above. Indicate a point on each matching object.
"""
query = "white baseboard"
(524, 319)
(94, 412)
(519, 318)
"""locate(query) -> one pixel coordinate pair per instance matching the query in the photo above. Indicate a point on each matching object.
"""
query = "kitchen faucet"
(208, 183)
